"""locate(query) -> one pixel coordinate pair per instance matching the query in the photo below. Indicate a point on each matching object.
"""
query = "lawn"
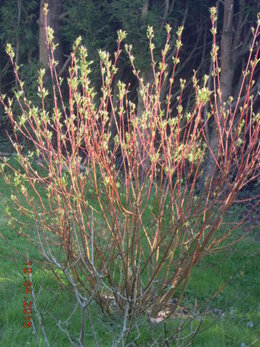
(223, 289)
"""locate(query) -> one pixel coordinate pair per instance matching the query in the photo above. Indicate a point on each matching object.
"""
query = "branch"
(253, 90)
(245, 47)
(192, 52)
(65, 65)
(38, 315)
(121, 337)
(82, 329)
(63, 15)
(67, 334)
(166, 12)
(92, 327)
(240, 23)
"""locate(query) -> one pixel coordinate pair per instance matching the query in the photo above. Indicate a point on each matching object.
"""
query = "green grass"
(226, 317)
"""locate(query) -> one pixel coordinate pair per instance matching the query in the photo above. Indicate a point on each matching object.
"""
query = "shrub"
(133, 247)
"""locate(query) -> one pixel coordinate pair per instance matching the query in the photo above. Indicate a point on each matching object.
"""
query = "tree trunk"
(17, 51)
(226, 77)
(145, 8)
(53, 21)
(227, 67)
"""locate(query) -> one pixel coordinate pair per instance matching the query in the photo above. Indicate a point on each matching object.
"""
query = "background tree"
(18, 26)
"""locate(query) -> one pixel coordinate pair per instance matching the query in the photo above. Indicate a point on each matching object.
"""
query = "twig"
(35, 333)
(92, 238)
(72, 343)
(92, 327)
(38, 315)
(82, 329)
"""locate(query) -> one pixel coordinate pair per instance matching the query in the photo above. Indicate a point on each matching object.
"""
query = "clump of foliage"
(156, 227)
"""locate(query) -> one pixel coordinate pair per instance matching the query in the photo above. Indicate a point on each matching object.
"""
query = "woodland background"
(21, 24)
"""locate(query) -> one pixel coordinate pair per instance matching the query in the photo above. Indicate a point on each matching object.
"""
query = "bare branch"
(124, 328)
